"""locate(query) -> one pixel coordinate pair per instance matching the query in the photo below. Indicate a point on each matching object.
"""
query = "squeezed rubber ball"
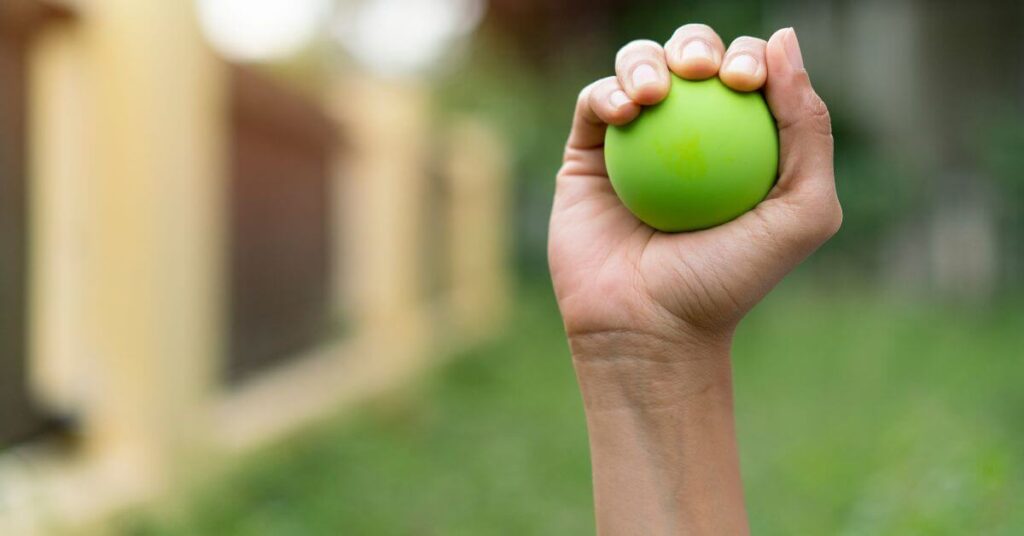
(703, 156)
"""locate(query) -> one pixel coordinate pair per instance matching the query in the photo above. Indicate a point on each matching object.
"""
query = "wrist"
(625, 369)
(660, 421)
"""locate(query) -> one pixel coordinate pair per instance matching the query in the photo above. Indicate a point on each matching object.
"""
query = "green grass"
(857, 415)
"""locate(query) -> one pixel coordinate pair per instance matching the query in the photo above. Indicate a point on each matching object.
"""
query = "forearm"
(662, 435)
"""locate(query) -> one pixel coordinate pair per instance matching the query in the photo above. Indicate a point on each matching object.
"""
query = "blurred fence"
(183, 241)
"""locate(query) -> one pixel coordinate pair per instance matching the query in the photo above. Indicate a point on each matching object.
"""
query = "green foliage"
(857, 415)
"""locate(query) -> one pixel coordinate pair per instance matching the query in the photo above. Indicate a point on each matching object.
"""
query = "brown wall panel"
(17, 418)
(281, 154)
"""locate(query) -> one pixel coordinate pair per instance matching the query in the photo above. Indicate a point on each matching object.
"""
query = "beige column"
(128, 229)
(59, 160)
(386, 129)
(477, 170)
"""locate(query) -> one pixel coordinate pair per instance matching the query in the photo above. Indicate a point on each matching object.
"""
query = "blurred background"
(278, 267)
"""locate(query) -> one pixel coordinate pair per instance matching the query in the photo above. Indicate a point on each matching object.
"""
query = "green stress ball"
(702, 157)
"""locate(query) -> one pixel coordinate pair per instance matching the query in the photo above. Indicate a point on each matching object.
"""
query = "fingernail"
(643, 75)
(697, 50)
(619, 99)
(792, 45)
(743, 64)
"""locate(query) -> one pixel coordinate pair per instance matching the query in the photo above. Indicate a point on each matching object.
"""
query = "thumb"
(805, 130)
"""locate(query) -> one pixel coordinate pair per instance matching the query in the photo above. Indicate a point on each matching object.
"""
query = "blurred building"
(197, 259)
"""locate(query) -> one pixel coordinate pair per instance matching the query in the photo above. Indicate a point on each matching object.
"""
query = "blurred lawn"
(857, 415)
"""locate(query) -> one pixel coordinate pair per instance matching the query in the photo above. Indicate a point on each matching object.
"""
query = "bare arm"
(650, 316)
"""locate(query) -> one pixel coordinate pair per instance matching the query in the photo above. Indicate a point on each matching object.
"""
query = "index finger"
(588, 129)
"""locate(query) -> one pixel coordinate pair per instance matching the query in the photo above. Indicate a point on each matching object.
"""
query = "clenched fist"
(650, 316)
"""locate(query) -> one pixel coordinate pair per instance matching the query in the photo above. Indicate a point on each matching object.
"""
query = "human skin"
(650, 316)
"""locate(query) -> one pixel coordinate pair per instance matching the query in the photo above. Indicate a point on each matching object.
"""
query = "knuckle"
(809, 112)
(827, 220)
(605, 84)
(837, 219)
(582, 99)
(696, 30)
(591, 102)
(831, 220)
(816, 112)
(589, 91)
(639, 47)
(584, 95)
(748, 41)
(817, 215)
(595, 101)
(585, 102)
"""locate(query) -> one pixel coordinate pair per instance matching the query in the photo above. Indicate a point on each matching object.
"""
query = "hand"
(613, 274)
(649, 315)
